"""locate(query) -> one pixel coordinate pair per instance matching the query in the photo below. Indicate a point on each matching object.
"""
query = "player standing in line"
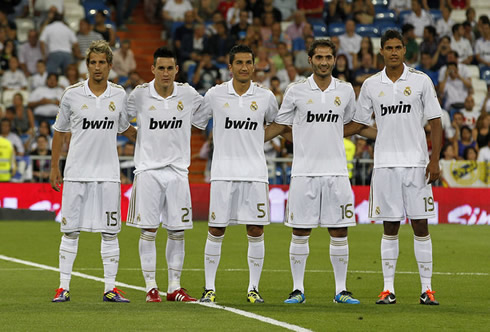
(164, 111)
(239, 179)
(94, 112)
(402, 99)
(320, 193)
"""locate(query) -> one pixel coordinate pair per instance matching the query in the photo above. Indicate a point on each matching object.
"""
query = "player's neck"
(97, 88)
(394, 73)
(165, 92)
(241, 87)
(322, 82)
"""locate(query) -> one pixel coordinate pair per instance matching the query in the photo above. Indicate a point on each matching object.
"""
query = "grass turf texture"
(26, 292)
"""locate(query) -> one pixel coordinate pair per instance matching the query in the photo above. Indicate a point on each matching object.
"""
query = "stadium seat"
(485, 74)
(8, 96)
(367, 30)
(335, 29)
(436, 14)
(387, 16)
(175, 26)
(474, 71)
(73, 13)
(402, 16)
(383, 26)
(320, 30)
(380, 6)
(91, 9)
(458, 15)
(23, 27)
(190, 73)
(479, 85)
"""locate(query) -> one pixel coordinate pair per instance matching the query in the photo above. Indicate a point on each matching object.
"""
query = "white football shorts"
(91, 207)
(239, 202)
(397, 192)
(325, 201)
(160, 196)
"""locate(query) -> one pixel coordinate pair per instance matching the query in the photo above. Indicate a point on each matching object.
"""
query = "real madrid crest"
(63, 221)
(213, 216)
(254, 106)
(337, 101)
(180, 105)
(407, 91)
(378, 210)
(112, 106)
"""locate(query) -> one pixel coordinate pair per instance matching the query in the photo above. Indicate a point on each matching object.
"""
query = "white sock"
(109, 250)
(148, 258)
(212, 255)
(175, 259)
(339, 257)
(255, 255)
(423, 254)
(389, 256)
(298, 254)
(68, 253)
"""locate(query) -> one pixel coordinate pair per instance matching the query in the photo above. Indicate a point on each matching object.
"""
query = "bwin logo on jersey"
(322, 117)
(165, 124)
(238, 124)
(97, 124)
(393, 109)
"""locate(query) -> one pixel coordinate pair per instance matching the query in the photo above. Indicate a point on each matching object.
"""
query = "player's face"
(322, 62)
(242, 67)
(393, 52)
(98, 67)
(165, 70)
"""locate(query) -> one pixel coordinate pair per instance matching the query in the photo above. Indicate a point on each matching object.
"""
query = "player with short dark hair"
(94, 112)
(401, 99)
(239, 178)
(164, 110)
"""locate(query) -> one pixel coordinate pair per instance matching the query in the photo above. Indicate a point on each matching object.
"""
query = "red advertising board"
(470, 206)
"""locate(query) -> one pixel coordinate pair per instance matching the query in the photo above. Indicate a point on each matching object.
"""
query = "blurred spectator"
(105, 30)
(43, 8)
(268, 7)
(205, 10)
(439, 59)
(471, 17)
(461, 44)
(239, 30)
(366, 47)
(224, 6)
(220, 44)
(39, 78)
(86, 35)
(425, 67)
(400, 5)
(184, 33)
(6, 132)
(127, 166)
(445, 24)
(22, 117)
(264, 67)
(468, 33)
(295, 29)
(341, 70)
(412, 54)
(174, 11)
(206, 75)
(464, 139)
(350, 41)
(301, 58)
(7, 155)
(339, 10)
(419, 18)
(485, 106)
(365, 70)
(290, 77)
(133, 81)
(482, 46)
(447, 152)
(287, 8)
(481, 133)
(44, 100)
(266, 27)
(123, 60)
(470, 154)
(363, 11)
(30, 53)
(252, 38)
(454, 81)
(433, 4)
(456, 124)
(8, 51)
(44, 128)
(211, 29)
(57, 43)
(14, 78)
(41, 168)
(336, 41)
(484, 154)
(459, 4)
(362, 171)
(233, 15)
(479, 26)
(299, 44)
(429, 42)
(470, 112)
(281, 57)
(275, 87)
(124, 9)
(313, 9)
(192, 48)
(72, 76)
(277, 37)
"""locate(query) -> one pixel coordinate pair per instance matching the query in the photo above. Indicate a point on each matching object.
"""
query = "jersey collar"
(385, 79)
(154, 93)
(314, 86)
(231, 90)
(88, 92)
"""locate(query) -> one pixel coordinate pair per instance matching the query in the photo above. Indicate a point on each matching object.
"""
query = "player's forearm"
(58, 138)
(273, 130)
(353, 128)
(130, 133)
(369, 132)
(436, 138)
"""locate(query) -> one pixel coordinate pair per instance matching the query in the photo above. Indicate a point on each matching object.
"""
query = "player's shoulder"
(72, 89)
(186, 87)
(340, 84)
(300, 84)
(418, 74)
(373, 80)
(117, 88)
(221, 88)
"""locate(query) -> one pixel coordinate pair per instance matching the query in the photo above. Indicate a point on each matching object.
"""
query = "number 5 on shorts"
(260, 208)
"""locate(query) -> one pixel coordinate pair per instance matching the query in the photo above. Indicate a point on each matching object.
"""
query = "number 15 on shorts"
(111, 218)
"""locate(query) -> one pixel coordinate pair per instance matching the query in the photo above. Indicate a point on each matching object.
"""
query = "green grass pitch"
(461, 280)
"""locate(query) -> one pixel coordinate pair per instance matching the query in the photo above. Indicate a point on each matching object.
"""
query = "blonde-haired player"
(93, 112)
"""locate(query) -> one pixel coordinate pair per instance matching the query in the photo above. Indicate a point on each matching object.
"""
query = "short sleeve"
(286, 112)
(196, 101)
(62, 123)
(204, 113)
(364, 107)
(123, 117)
(272, 108)
(131, 109)
(350, 109)
(432, 108)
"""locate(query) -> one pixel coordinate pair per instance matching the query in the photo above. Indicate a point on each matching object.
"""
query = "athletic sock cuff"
(296, 239)
(176, 236)
(255, 238)
(213, 238)
(421, 238)
(148, 236)
(390, 237)
(338, 241)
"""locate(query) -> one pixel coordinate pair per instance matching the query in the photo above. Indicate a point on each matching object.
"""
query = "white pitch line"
(247, 314)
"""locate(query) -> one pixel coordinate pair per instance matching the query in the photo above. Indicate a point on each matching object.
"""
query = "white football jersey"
(318, 119)
(164, 126)
(94, 123)
(401, 109)
(238, 130)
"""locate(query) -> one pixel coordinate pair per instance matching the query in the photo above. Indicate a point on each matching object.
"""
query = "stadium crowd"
(38, 60)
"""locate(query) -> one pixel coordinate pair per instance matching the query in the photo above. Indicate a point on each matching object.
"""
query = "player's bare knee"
(152, 230)
(391, 228)
(420, 227)
(72, 235)
(337, 232)
(217, 231)
(255, 230)
(109, 236)
(302, 231)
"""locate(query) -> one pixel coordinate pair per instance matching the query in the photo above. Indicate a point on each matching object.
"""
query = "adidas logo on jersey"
(238, 124)
(97, 124)
(322, 117)
(393, 109)
(165, 124)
